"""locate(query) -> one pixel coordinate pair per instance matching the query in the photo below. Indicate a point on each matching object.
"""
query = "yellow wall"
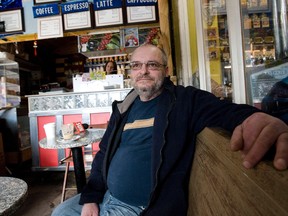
(192, 33)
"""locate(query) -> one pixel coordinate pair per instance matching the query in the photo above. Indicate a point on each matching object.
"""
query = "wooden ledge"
(220, 185)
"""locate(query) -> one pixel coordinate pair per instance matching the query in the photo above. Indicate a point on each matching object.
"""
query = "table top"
(13, 192)
(90, 136)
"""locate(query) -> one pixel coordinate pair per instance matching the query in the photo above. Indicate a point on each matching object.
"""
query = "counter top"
(71, 92)
(68, 101)
(13, 192)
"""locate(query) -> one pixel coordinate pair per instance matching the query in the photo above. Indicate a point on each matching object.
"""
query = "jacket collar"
(124, 105)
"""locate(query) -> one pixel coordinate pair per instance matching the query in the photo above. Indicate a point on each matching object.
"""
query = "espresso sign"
(73, 7)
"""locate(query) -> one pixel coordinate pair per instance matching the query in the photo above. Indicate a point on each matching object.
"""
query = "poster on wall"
(13, 20)
(99, 42)
(10, 4)
(143, 11)
(149, 35)
(108, 13)
(131, 37)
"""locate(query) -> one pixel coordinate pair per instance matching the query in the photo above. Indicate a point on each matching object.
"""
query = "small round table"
(90, 136)
(13, 192)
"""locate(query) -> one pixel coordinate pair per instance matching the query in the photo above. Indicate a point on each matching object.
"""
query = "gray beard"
(149, 93)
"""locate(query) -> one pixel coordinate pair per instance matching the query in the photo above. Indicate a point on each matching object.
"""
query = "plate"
(74, 138)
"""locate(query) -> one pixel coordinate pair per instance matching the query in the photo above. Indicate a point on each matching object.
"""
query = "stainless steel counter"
(63, 107)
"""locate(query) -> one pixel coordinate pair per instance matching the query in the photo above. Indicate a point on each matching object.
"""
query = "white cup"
(50, 130)
(67, 131)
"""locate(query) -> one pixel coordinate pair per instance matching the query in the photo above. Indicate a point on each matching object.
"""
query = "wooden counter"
(220, 185)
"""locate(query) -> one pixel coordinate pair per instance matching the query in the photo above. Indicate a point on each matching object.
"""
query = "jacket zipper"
(161, 151)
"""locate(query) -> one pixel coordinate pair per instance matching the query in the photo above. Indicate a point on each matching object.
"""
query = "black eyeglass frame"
(148, 65)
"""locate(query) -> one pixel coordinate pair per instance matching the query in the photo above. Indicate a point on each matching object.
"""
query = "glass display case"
(245, 50)
(9, 83)
(266, 54)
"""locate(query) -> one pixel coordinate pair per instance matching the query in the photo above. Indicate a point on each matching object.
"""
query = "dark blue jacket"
(182, 112)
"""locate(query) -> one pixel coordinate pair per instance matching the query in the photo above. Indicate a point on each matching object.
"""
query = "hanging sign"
(45, 10)
(130, 3)
(7, 5)
(73, 7)
(110, 4)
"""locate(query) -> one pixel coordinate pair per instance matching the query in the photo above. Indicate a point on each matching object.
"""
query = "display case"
(9, 83)
(243, 48)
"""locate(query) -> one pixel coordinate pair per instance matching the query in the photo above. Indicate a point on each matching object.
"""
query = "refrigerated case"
(243, 49)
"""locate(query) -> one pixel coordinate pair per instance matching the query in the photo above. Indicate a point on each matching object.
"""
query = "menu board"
(108, 13)
(141, 11)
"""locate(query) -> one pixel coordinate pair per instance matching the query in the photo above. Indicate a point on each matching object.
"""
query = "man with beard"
(145, 156)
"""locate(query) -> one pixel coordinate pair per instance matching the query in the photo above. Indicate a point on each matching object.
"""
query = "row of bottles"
(95, 65)
(98, 61)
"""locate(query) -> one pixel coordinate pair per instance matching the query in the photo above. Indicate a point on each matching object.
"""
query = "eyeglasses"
(151, 65)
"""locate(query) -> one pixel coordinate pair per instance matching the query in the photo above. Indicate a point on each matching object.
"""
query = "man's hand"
(90, 209)
(256, 135)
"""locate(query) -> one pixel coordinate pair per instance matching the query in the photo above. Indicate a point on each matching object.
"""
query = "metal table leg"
(79, 169)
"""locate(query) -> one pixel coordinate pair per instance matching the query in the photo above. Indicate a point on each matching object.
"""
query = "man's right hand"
(90, 209)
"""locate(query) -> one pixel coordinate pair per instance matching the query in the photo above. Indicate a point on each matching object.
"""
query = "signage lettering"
(141, 2)
(107, 3)
(80, 6)
(71, 7)
(46, 11)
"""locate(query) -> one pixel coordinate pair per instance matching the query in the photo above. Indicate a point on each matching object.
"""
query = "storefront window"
(266, 51)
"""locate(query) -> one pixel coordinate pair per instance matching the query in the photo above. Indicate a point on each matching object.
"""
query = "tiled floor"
(44, 192)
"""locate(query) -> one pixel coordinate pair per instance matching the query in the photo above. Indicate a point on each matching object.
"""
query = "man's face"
(147, 79)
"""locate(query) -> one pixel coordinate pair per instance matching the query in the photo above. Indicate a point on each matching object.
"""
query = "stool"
(66, 160)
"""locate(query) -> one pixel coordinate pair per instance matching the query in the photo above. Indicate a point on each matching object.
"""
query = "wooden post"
(164, 41)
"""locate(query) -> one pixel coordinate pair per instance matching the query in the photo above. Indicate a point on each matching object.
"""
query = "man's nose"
(144, 69)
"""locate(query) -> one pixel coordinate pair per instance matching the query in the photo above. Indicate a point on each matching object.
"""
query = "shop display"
(114, 46)
(98, 42)
(9, 83)
(258, 38)
(264, 42)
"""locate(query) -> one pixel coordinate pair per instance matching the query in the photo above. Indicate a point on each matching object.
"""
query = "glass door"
(243, 51)
(265, 39)
(214, 48)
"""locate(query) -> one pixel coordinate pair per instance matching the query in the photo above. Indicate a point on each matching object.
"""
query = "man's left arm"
(256, 135)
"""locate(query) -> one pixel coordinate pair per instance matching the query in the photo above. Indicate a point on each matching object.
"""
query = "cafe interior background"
(44, 50)
(50, 46)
